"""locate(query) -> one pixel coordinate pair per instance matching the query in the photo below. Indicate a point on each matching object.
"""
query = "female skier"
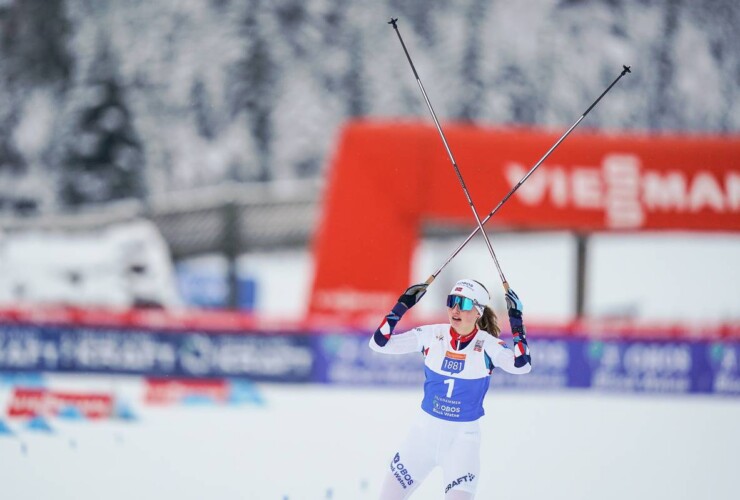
(459, 358)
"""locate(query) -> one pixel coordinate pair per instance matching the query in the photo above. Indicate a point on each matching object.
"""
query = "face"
(462, 321)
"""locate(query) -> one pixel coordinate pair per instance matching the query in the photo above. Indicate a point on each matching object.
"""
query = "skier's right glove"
(406, 301)
(413, 294)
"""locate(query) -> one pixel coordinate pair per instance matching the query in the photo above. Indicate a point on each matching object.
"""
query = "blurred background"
(172, 178)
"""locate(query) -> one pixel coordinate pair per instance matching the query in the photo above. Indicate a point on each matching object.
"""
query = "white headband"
(472, 290)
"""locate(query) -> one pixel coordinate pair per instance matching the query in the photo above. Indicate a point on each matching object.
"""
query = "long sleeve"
(517, 361)
(397, 343)
(503, 357)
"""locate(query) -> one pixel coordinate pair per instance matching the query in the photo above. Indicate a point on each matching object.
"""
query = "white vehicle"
(125, 265)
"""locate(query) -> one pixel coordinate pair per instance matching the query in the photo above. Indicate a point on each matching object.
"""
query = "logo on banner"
(626, 191)
(42, 402)
(724, 363)
(641, 366)
(166, 391)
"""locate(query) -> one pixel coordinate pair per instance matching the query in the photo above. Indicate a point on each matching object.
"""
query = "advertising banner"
(618, 365)
(347, 359)
(274, 357)
(621, 364)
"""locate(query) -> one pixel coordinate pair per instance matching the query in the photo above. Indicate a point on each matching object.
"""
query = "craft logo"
(467, 478)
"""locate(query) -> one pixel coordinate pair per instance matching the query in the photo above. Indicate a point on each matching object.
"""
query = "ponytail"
(489, 322)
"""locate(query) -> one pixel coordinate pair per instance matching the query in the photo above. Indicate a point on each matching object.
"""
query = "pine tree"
(104, 159)
(252, 87)
(33, 36)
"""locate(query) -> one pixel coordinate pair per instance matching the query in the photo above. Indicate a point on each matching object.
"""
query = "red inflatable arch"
(386, 178)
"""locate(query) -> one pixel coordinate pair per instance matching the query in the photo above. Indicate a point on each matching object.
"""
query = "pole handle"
(430, 279)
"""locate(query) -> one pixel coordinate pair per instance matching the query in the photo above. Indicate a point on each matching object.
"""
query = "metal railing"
(229, 218)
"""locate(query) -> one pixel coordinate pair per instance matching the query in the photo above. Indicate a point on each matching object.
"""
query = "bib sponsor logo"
(453, 362)
(446, 409)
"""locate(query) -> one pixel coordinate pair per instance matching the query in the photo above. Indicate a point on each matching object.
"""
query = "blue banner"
(273, 357)
(674, 367)
(347, 359)
(613, 365)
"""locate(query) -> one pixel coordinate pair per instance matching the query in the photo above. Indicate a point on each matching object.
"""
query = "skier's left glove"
(521, 348)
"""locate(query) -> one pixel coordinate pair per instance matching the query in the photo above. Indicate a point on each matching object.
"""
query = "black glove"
(514, 304)
(413, 294)
(521, 349)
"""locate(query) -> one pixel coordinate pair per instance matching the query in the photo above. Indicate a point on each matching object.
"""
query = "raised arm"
(384, 340)
(519, 360)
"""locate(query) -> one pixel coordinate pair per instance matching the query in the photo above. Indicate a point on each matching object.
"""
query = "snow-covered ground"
(318, 442)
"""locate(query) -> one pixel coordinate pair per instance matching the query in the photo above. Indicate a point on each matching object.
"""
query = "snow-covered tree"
(104, 157)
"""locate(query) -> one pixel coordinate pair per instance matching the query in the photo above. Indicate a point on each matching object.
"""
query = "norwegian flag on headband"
(458, 289)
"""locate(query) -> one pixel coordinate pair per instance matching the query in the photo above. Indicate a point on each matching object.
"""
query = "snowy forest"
(105, 100)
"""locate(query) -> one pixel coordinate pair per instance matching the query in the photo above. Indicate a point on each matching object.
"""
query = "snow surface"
(317, 442)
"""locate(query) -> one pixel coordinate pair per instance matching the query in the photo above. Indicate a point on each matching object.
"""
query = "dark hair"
(489, 322)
